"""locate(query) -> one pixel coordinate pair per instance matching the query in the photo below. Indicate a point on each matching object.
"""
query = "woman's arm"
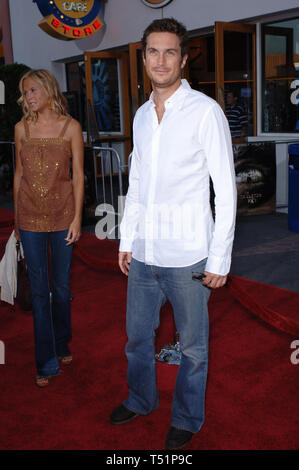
(19, 134)
(77, 145)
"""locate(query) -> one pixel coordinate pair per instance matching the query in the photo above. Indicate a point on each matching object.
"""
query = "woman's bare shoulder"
(19, 128)
(74, 129)
(19, 124)
(75, 125)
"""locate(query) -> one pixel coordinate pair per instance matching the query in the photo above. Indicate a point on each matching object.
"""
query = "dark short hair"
(233, 91)
(167, 25)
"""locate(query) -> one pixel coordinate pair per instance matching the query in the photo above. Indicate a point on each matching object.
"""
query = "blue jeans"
(51, 313)
(148, 289)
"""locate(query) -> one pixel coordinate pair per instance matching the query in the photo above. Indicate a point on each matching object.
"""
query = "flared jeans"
(50, 296)
(148, 289)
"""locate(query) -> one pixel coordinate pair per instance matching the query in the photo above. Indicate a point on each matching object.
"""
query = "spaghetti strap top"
(26, 127)
(62, 132)
(66, 125)
(45, 198)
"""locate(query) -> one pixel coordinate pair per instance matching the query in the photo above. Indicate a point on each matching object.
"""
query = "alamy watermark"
(295, 354)
(2, 353)
(2, 92)
(155, 221)
(294, 86)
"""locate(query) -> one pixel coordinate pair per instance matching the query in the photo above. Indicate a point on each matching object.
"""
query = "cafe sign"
(70, 20)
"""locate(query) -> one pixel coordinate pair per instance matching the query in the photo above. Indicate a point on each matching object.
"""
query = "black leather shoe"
(122, 415)
(177, 438)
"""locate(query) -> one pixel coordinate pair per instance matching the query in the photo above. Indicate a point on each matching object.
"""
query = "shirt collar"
(177, 98)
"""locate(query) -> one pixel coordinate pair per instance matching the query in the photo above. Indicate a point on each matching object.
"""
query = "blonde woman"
(48, 207)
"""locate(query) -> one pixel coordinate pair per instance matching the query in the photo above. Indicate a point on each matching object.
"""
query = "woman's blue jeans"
(148, 288)
(50, 301)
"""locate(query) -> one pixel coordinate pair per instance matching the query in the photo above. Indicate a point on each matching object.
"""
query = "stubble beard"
(167, 82)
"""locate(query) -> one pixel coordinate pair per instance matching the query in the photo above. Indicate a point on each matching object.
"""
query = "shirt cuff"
(216, 265)
(126, 245)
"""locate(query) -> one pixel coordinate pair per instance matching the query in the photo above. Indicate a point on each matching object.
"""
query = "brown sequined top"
(45, 198)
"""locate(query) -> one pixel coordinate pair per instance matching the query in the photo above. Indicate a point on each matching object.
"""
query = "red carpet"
(252, 392)
(6, 218)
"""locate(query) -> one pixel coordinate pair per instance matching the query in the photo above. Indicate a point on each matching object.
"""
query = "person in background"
(237, 118)
(48, 209)
(170, 246)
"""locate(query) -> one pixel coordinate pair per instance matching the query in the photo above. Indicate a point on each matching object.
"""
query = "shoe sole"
(178, 447)
(117, 423)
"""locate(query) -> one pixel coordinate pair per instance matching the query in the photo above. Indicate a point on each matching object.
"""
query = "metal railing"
(109, 166)
(108, 180)
(129, 162)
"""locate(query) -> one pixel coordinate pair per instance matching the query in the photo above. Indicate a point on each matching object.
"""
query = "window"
(280, 42)
(106, 91)
(201, 65)
(76, 94)
(222, 65)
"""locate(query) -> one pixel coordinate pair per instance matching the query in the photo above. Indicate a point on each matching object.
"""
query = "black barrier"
(293, 203)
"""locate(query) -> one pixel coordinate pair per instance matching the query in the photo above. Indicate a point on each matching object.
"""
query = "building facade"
(243, 54)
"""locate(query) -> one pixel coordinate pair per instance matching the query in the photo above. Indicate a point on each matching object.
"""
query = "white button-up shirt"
(167, 219)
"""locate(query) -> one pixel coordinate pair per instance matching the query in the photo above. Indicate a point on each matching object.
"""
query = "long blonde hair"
(57, 101)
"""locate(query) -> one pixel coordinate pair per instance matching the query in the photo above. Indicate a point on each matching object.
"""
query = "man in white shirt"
(168, 236)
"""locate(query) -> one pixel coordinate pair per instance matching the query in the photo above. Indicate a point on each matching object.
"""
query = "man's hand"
(124, 260)
(214, 280)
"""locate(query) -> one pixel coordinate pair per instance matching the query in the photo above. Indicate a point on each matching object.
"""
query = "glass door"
(280, 78)
(140, 83)
(201, 64)
(235, 64)
(107, 92)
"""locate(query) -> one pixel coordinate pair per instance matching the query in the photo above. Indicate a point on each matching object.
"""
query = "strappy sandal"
(66, 360)
(42, 382)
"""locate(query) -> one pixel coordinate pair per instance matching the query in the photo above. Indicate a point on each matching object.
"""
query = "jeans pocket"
(197, 275)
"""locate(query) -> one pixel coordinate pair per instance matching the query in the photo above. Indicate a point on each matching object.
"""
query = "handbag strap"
(18, 248)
